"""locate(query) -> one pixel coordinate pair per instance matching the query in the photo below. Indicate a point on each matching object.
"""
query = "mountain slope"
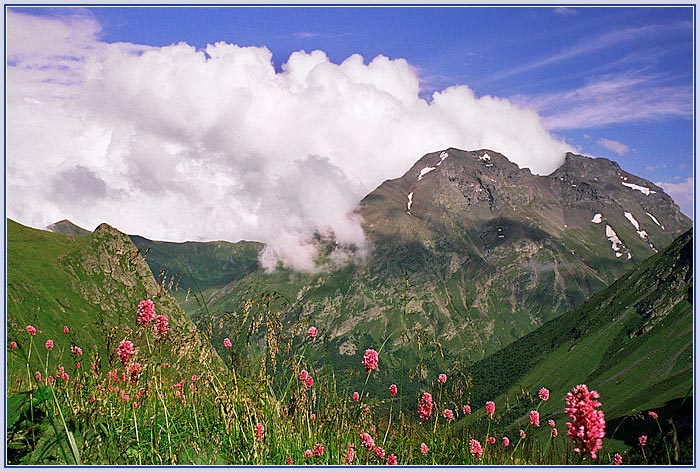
(91, 283)
(632, 342)
(468, 254)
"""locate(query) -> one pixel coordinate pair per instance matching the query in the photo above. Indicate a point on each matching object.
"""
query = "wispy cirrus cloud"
(305, 35)
(611, 100)
(615, 146)
(591, 45)
(565, 11)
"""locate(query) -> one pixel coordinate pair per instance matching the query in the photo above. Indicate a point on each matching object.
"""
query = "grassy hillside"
(632, 342)
(91, 283)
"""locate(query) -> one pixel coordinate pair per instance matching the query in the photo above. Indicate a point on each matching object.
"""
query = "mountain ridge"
(488, 252)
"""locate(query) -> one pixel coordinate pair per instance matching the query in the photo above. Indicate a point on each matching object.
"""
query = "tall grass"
(176, 410)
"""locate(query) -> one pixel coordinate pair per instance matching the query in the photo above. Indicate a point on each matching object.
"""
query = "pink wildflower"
(587, 425)
(642, 441)
(475, 448)
(66, 330)
(76, 350)
(350, 456)
(161, 325)
(355, 396)
(49, 344)
(370, 360)
(13, 345)
(555, 432)
(424, 448)
(535, 418)
(379, 452)
(391, 460)
(125, 350)
(259, 432)
(523, 434)
(312, 416)
(466, 409)
(617, 459)
(506, 441)
(551, 423)
(309, 381)
(77, 365)
(425, 407)
(318, 450)
(134, 372)
(146, 312)
(125, 397)
(313, 332)
(308, 453)
(61, 373)
(38, 376)
(31, 330)
(448, 414)
(51, 380)
(366, 440)
(289, 461)
(653, 415)
(303, 375)
(543, 394)
(442, 378)
(393, 390)
(227, 343)
(490, 408)
(491, 440)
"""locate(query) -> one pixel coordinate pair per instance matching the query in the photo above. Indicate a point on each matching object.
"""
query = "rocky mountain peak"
(66, 227)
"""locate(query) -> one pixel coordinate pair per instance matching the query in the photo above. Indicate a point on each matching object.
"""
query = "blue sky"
(612, 82)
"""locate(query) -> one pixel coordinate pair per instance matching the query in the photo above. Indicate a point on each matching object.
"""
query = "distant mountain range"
(468, 254)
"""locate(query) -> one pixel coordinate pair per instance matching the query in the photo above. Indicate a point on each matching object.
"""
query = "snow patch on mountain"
(644, 190)
(612, 237)
(654, 219)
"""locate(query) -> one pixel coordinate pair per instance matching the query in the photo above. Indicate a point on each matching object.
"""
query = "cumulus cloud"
(682, 194)
(615, 146)
(176, 143)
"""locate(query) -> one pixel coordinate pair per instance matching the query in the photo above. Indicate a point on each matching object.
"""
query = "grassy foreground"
(137, 407)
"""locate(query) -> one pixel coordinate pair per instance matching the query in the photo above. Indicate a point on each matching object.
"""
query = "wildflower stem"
(136, 428)
(668, 452)
(391, 407)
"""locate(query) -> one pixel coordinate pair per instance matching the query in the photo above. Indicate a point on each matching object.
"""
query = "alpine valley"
(504, 280)
(468, 254)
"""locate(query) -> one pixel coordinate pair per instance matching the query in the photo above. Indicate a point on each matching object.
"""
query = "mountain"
(632, 342)
(66, 227)
(200, 265)
(468, 254)
(91, 283)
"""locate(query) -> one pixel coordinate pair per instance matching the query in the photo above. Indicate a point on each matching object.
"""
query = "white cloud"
(175, 143)
(682, 194)
(305, 35)
(586, 46)
(615, 146)
(565, 11)
(611, 100)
